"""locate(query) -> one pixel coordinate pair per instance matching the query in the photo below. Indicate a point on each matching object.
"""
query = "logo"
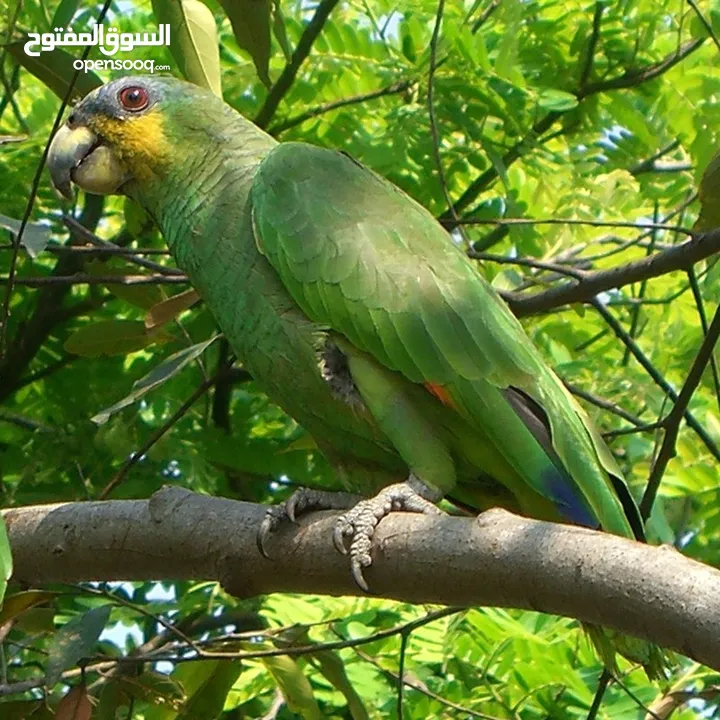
(109, 42)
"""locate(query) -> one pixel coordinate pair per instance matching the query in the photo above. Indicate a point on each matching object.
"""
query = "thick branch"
(497, 559)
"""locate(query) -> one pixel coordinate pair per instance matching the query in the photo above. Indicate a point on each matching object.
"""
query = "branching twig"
(295, 120)
(179, 413)
(679, 257)
(592, 43)
(35, 186)
(674, 418)
(84, 234)
(285, 81)
(652, 371)
(632, 78)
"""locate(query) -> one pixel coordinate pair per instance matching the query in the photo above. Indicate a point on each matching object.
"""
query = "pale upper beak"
(76, 155)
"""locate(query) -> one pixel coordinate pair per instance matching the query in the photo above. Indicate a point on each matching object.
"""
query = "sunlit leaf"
(193, 41)
(294, 686)
(167, 310)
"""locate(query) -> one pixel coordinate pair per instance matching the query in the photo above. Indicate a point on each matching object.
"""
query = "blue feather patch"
(567, 499)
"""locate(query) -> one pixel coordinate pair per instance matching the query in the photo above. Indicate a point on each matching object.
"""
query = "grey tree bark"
(496, 559)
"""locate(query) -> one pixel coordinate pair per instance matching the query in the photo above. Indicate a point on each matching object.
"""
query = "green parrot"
(356, 313)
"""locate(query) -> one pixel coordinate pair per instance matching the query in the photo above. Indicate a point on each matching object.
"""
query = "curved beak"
(76, 155)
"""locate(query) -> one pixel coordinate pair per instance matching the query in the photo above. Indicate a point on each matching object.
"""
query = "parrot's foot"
(300, 502)
(358, 525)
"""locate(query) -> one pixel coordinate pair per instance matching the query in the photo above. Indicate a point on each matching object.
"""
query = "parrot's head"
(131, 129)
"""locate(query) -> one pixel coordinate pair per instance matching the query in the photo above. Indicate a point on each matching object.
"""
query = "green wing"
(361, 257)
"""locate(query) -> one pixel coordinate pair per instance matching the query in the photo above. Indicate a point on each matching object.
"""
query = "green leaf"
(333, 668)
(64, 14)
(557, 100)
(250, 20)
(55, 69)
(206, 684)
(74, 641)
(142, 296)
(112, 337)
(137, 221)
(35, 236)
(194, 40)
(294, 686)
(156, 377)
(153, 687)
(709, 193)
(279, 30)
(6, 562)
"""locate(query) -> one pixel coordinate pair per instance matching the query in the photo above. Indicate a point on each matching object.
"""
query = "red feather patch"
(441, 394)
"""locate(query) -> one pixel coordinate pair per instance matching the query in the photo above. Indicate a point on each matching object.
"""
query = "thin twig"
(295, 120)
(592, 43)
(285, 81)
(484, 17)
(679, 257)
(648, 165)
(703, 20)
(603, 682)
(84, 234)
(697, 296)
(422, 688)
(85, 279)
(674, 418)
(34, 189)
(652, 371)
(137, 456)
(603, 403)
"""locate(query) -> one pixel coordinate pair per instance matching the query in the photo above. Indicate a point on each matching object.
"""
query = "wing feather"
(362, 258)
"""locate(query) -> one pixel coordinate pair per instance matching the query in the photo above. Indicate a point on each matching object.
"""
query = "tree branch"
(497, 559)
(294, 120)
(679, 257)
(629, 79)
(287, 77)
(676, 415)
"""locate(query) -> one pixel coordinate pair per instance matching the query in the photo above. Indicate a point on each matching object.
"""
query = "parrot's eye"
(134, 98)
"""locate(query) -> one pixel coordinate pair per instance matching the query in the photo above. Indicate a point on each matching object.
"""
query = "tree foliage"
(594, 122)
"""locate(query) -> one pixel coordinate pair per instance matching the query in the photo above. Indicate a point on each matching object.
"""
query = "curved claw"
(299, 503)
(273, 517)
(359, 524)
(291, 506)
(356, 567)
(342, 530)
